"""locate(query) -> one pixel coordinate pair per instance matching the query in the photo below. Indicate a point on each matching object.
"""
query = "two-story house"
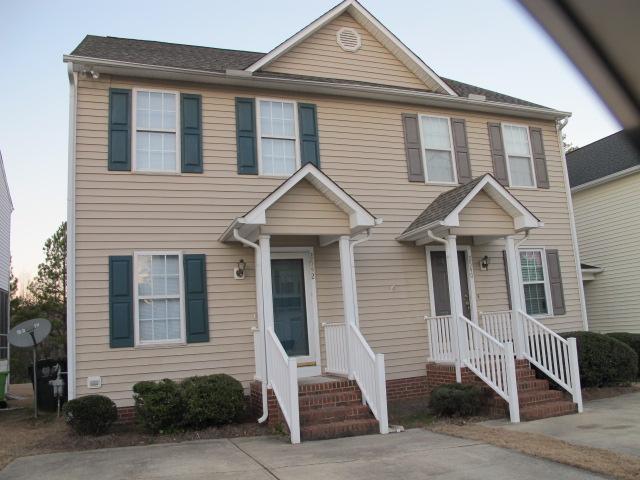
(6, 208)
(328, 222)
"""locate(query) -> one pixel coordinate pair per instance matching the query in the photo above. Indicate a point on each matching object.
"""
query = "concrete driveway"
(415, 454)
(609, 423)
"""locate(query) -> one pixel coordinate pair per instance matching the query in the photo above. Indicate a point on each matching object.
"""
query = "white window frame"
(506, 156)
(136, 317)
(259, 135)
(547, 284)
(423, 153)
(134, 131)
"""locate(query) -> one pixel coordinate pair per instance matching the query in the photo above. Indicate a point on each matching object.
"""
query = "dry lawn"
(23, 435)
(595, 460)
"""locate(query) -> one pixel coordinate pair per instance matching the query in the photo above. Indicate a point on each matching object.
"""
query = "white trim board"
(374, 27)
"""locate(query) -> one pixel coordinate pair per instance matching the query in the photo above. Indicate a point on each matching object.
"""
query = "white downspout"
(71, 237)
(260, 305)
(353, 273)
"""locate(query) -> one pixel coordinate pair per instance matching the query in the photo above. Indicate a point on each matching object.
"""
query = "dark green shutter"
(121, 301)
(309, 144)
(555, 282)
(195, 289)
(119, 129)
(191, 114)
(246, 136)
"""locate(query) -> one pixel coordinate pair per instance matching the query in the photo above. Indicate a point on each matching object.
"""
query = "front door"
(440, 283)
(294, 313)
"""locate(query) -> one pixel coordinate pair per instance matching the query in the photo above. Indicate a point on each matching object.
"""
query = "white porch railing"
(498, 324)
(283, 379)
(345, 345)
(555, 356)
(493, 362)
(441, 339)
(335, 339)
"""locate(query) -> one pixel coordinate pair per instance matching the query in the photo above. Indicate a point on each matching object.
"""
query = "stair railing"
(498, 324)
(335, 341)
(441, 339)
(493, 362)
(555, 356)
(283, 379)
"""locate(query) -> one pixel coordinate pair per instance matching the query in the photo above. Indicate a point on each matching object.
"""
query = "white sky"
(492, 44)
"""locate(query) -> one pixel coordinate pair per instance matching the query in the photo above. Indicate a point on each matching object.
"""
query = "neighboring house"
(6, 207)
(286, 215)
(605, 185)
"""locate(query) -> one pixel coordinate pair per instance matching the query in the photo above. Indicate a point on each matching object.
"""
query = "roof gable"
(374, 29)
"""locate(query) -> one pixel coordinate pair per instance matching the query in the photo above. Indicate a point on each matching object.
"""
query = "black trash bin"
(46, 370)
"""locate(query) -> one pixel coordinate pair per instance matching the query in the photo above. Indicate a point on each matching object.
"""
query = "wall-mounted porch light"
(484, 263)
(238, 271)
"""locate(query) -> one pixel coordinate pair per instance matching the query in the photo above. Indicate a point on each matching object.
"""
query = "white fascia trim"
(359, 217)
(522, 218)
(383, 93)
(607, 179)
(418, 232)
(71, 237)
(411, 60)
(3, 174)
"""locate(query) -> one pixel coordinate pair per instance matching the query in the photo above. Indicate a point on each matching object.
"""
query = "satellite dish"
(30, 332)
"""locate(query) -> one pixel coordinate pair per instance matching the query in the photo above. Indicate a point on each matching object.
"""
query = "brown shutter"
(539, 159)
(412, 147)
(506, 276)
(497, 153)
(555, 281)
(461, 148)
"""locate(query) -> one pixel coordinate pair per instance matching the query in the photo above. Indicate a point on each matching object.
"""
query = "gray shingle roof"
(443, 205)
(209, 59)
(601, 158)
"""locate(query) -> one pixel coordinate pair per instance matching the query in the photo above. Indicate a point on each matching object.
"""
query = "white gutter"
(261, 326)
(71, 237)
(572, 224)
(352, 245)
(606, 179)
(391, 94)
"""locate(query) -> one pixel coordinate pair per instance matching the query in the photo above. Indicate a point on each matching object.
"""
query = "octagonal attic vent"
(348, 39)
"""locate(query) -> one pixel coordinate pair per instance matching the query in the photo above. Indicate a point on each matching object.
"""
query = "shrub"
(603, 360)
(92, 415)
(212, 400)
(631, 339)
(159, 405)
(456, 399)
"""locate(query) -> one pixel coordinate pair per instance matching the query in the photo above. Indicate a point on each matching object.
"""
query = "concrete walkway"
(609, 423)
(415, 454)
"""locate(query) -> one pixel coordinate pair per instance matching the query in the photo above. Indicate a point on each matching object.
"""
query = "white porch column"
(455, 300)
(344, 246)
(265, 269)
(515, 290)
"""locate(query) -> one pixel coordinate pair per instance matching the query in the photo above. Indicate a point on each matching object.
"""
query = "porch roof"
(359, 217)
(444, 210)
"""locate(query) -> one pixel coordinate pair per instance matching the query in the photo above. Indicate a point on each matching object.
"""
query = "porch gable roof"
(359, 217)
(445, 209)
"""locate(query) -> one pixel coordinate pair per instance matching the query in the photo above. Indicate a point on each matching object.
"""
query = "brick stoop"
(535, 398)
(328, 409)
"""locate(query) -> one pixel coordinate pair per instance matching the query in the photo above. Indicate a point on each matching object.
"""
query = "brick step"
(346, 428)
(548, 409)
(525, 399)
(335, 414)
(525, 374)
(527, 384)
(330, 387)
(328, 400)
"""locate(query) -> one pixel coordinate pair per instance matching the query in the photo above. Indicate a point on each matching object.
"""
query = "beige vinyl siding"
(321, 56)
(362, 149)
(303, 210)
(608, 226)
(483, 216)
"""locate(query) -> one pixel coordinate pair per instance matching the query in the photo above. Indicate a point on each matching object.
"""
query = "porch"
(464, 231)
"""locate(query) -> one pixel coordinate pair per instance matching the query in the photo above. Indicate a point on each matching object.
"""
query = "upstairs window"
(535, 281)
(519, 158)
(277, 147)
(155, 131)
(438, 152)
